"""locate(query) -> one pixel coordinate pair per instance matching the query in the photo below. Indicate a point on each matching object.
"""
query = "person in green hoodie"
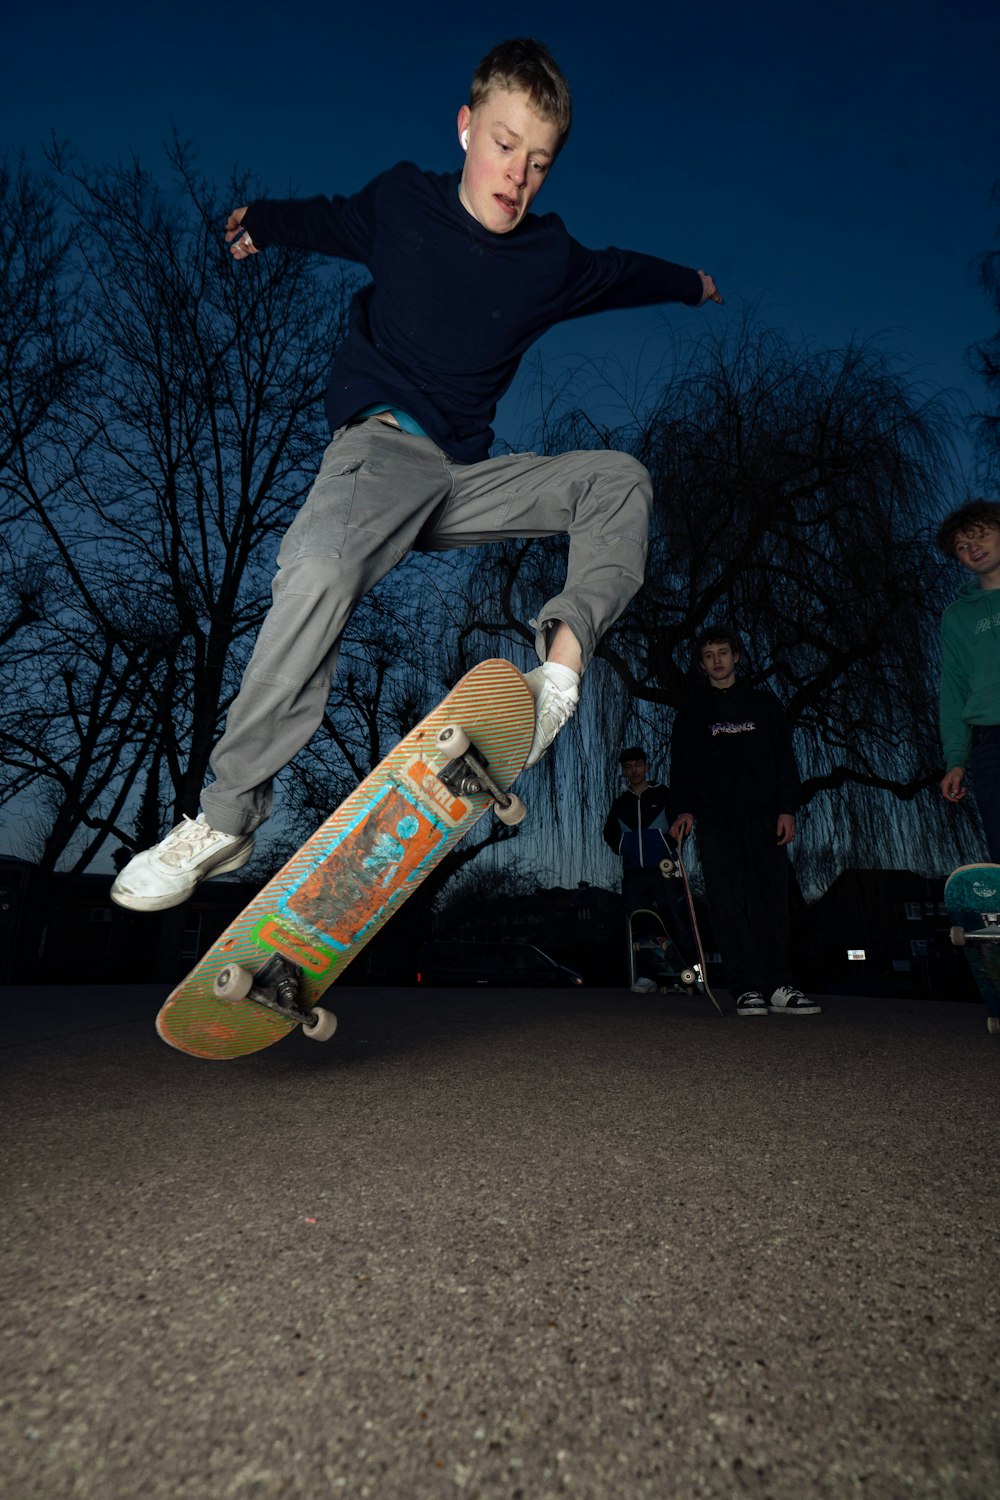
(970, 664)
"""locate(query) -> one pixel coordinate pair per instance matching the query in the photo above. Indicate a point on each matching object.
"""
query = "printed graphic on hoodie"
(726, 727)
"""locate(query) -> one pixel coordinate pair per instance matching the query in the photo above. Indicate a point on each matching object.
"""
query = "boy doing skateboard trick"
(970, 664)
(465, 277)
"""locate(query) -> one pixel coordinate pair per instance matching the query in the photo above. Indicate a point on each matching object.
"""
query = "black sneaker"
(751, 1003)
(788, 1001)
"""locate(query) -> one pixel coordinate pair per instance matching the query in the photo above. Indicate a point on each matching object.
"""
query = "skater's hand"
(786, 829)
(681, 826)
(709, 291)
(952, 784)
(239, 242)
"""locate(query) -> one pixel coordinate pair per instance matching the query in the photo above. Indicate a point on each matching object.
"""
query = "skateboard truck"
(467, 772)
(276, 987)
(989, 932)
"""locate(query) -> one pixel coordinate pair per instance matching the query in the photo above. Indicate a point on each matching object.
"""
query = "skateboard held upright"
(972, 896)
(674, 869)
(647, 933)
(271, 966)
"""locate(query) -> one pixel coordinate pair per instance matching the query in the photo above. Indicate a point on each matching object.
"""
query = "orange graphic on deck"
(369, 867)
(430, 784)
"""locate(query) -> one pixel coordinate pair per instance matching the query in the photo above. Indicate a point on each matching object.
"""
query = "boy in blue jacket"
(465, 277)
(636, 829)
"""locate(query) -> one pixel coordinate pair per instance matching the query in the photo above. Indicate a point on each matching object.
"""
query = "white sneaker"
(644, 986)
(788, 1001)
(167, 874)
(556, 691)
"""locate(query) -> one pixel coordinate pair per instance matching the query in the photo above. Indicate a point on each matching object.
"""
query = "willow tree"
(985, 358)
(794, 491)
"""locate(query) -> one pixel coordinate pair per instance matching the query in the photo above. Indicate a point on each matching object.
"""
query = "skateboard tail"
(216, 1029)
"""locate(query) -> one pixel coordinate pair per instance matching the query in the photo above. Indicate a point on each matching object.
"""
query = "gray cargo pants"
(381, 493)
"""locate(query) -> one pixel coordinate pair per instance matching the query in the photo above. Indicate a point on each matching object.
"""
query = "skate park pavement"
(510, 1245)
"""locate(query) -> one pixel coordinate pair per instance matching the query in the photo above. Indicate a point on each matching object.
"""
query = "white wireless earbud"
(464, 138)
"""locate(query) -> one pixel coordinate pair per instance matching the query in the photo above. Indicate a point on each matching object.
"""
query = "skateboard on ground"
(972, 896)
(647, 932)
(674, 869)
(267, 971)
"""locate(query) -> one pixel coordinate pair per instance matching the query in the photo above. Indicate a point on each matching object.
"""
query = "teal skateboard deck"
(972, 896)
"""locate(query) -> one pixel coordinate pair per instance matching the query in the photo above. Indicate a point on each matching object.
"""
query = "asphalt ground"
(506, 1245)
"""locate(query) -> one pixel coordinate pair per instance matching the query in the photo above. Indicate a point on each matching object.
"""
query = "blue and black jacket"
(636, 827)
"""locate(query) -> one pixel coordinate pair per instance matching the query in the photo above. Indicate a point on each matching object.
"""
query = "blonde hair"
(525, 64)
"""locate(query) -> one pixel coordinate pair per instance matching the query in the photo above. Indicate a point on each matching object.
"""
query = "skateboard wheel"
(232, 983)
(515, 811)
(957, 936)
(993, 1025)
(453, 740)
(688, 976)
(321, 1024)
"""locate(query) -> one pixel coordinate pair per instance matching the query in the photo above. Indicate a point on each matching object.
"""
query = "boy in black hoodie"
(733, 767)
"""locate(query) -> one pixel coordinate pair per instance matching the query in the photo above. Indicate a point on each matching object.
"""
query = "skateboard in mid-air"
(266, 973)
(675, 869)
(972, 897)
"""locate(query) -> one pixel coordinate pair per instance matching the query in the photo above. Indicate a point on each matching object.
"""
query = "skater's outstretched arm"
(239, 242)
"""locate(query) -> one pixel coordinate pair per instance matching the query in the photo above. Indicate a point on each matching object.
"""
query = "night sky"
(831, 167)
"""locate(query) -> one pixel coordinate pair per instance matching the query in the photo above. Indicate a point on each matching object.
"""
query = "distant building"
(75, 933)
(887, 932)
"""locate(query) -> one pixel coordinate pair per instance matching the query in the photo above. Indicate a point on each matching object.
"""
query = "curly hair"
(718, 635)
(976, 515)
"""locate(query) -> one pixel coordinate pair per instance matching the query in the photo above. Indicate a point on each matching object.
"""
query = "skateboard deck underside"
(356, 870)
(972, 893)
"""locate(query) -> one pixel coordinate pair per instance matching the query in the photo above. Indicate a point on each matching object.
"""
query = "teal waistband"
(405, 421)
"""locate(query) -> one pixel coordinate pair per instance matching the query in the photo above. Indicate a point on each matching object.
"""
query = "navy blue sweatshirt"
(451, 308)
(731, 751)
